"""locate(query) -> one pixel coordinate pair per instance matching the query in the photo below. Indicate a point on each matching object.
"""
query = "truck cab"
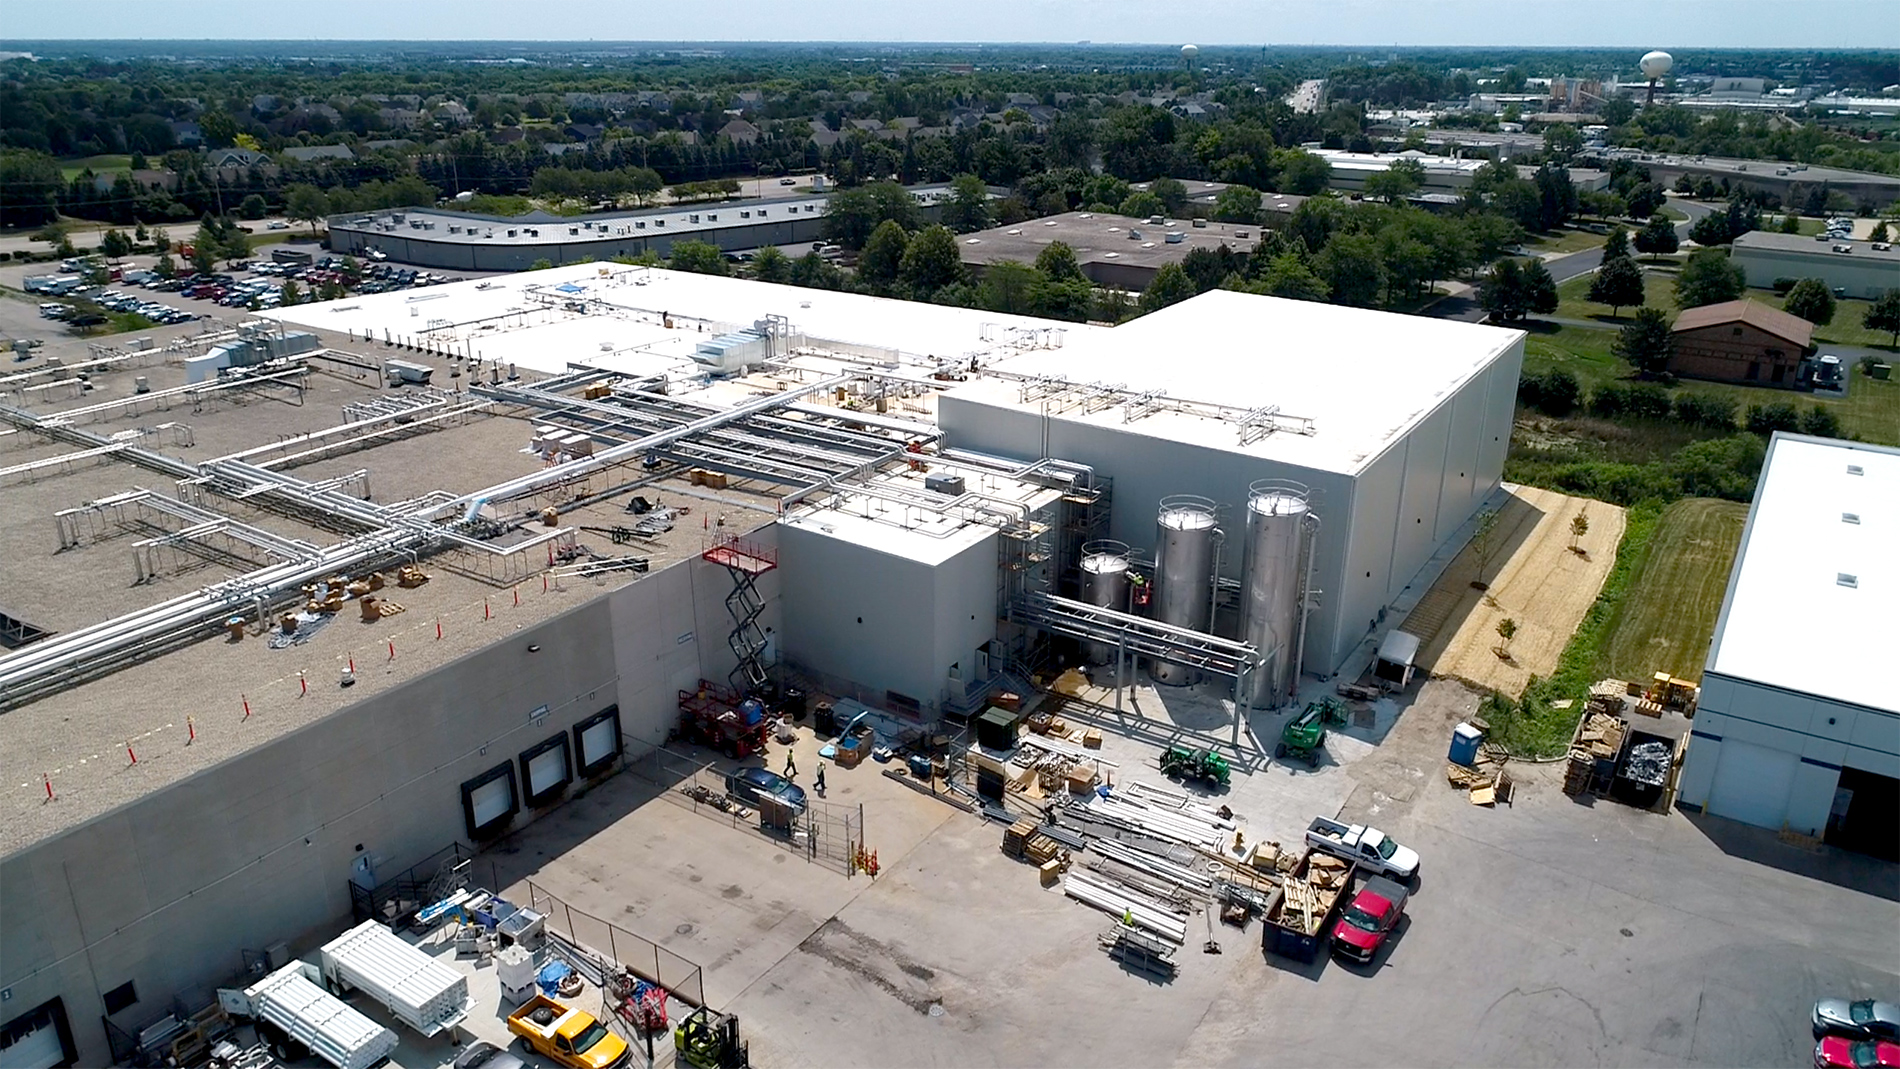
(1368, 919)
(1369, 848)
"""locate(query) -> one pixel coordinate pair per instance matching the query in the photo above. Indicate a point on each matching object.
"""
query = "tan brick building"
(1742, 342)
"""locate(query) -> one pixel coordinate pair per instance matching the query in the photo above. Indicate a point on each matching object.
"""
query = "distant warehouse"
(1112, 250)
(1850, 268)
(464, 241)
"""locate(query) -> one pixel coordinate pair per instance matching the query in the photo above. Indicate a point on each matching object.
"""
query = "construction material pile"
(1054, 765)
(1599, 738)
(1163, 814)
(1308, 897)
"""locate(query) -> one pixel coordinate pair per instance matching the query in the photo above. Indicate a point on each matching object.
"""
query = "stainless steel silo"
(1105, 583)
(1184, 573)
(1279, 522)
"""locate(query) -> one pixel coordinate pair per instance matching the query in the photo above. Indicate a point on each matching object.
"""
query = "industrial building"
(427, 581)
(1797, 726)
(1112, 250)
(1861, 269)
(1443, 174)
(465, 241)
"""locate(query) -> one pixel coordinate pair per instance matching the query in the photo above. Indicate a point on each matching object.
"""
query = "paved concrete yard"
(1548, 933)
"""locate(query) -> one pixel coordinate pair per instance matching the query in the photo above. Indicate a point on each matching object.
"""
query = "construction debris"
(1648, 763)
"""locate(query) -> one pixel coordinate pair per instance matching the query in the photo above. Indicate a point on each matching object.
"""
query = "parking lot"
(1542, 933)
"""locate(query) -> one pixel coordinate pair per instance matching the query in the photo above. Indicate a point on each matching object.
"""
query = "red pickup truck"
(1368, 919)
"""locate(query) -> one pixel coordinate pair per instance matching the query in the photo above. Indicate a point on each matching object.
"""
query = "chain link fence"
(823, 833)
(609, 943)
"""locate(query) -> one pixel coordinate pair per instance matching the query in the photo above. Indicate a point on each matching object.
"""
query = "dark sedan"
(755, 785)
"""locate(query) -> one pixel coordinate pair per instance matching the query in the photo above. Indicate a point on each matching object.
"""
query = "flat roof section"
(1813, 598)
(1824, 246)
(1363, 377)
(1098, 237)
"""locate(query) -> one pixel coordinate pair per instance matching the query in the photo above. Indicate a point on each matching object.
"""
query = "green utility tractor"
(1202, 764)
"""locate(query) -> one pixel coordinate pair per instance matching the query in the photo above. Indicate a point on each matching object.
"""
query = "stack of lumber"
(1148, 913)
(1600, 736)
(1326, 872)
(1172, 825)
(1179, 875)
(1016, 838)
(1577, 773)
(1304, 906)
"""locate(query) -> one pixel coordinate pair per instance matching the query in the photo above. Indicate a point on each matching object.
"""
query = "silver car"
(1861, 1019)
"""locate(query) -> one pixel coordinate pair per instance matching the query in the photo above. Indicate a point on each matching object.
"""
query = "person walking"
(820, 782)
(791, 765)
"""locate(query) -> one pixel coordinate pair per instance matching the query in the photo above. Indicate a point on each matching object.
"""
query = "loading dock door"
(35, 1040)
(1752, 784)
(1871, 821)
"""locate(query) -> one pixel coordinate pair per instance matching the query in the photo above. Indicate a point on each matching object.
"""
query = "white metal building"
(1863, 269)
(1400, 425)
(1798, 725)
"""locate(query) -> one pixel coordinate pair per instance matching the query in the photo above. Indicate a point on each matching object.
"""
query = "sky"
(1371, 23)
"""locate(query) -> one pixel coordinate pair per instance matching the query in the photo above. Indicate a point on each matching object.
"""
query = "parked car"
(1367, 847)
(754, 785)
(1369, 919)
(1861, 1019)
(1839, 1052)
(279, 224)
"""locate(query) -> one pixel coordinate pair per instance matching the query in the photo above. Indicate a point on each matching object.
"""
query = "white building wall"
(1823, 736)
(1858, 272)
(965, 611)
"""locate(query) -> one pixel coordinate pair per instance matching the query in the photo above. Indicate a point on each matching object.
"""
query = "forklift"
(708, 1039)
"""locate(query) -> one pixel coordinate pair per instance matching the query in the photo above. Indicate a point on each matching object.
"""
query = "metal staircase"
(745, 562)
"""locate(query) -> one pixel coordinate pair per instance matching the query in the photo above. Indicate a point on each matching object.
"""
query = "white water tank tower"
(1656, 64)
(1189, 53)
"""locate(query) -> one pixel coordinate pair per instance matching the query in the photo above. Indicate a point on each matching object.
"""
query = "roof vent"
(1856, 469)
(1846, 580)
(1850, 517)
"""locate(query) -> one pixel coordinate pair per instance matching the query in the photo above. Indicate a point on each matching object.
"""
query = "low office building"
(1860, 269)
(1443, 174)
(465, 241)
(1798, 725)
(1113, 250)
(1743, 342)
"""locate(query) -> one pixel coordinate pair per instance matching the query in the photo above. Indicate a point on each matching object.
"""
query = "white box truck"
(418, 990)
(296, 1017)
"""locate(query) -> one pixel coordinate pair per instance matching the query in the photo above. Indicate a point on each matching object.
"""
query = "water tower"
(1654, 66)
(1188, 54)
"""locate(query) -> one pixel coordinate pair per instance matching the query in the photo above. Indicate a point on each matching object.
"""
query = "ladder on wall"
(745, 562)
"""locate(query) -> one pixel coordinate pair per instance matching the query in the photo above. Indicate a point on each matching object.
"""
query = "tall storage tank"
(1184, 573)
(1105, 583)
(1278, 540)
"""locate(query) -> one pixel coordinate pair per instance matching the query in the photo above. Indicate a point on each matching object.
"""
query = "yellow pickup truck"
(571, 1037)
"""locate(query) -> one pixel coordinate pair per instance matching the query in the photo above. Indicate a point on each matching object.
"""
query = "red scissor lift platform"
(746, 561)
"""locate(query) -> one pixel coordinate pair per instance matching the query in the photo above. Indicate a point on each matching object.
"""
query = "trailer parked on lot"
(296, 1017)
(418, 990)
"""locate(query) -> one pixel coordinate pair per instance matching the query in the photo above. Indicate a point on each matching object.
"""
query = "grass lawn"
(1659, 291)
(1562, 241)
(1845, 329)
(1870, 410)
(109, 164)
(1668, 615)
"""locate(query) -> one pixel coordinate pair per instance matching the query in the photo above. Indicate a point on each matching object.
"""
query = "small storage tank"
(1278, 515)
(1105, 583)
(1185, 534)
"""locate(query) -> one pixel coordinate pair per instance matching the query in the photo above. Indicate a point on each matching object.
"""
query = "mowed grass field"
(1665, 621)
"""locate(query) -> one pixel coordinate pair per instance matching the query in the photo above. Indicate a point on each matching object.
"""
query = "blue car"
(754, 786)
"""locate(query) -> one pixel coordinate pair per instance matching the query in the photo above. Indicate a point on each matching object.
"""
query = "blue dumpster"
(1464, 744)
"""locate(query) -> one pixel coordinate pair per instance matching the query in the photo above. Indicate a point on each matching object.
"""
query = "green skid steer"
(1202, 764)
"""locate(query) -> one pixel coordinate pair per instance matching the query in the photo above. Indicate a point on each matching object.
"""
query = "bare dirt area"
(1534, 578)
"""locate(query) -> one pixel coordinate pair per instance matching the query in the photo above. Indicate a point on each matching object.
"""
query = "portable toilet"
(1464, 744)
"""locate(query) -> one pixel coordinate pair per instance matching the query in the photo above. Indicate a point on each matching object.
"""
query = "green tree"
(1289, 275)
(1402, 178)
(1646, 343)
(1579, 526)
(1879, 232)
(1540, 289)
(1484, 542)
(306, 204)
(1502, 293)
(1301, 172)
(931, 261)
(1616, 111)
(292, 295)
(969, 205)
(115, 244)
(1171, 285)
(542, 264)
(161, 241)
(1644, 200)
(1507, 628)
(1820, 422)
(1057, 262)
(1007, 287)
(1562, 141)
(165, 268)
(1657, 237)
(815, 272)
(771, 265)
(1141, 204)
(1884, 314)
(1711, 229)
(850, 216)
(883, 255)
(204, 255)
(1618, 283)
(252, 207)
(699, 257)
(1810, 300)
(1616, 244)
(1238, 204)
(1172, 194)
(1790, 222)
(1708, 278)
(1353, 269)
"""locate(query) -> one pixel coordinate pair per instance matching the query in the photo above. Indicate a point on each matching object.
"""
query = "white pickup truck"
(1369, 848)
